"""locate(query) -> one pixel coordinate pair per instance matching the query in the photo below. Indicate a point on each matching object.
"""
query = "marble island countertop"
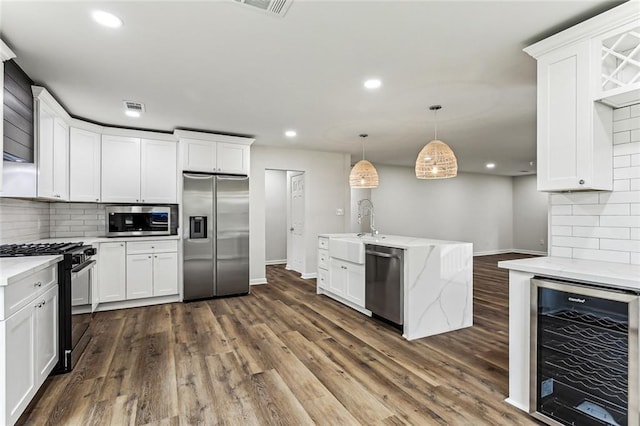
(397, 241)
(616, 275)
(13, 269)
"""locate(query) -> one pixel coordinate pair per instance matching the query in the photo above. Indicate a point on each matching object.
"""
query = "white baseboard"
(276, 262)
(288, 267)
(136, 303)
(257, 281)
(309, 276)
(536, 252)
(516, 404)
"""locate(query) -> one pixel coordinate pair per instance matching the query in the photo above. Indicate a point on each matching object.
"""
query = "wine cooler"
(584, 354)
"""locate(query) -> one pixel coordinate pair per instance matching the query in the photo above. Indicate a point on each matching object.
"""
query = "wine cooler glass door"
(584, 354)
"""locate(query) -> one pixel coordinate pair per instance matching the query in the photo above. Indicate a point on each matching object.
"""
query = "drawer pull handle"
(43, 303)
(38, 284)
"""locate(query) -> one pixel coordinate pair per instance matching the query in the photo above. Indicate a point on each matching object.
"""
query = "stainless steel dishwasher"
(384, 277)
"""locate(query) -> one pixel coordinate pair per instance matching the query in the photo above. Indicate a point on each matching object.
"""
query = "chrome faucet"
(362, 209)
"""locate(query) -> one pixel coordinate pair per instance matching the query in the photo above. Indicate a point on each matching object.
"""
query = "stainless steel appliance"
(584, 354)
(215, 218)
(123, 220)
(76, 301)
(384, 282)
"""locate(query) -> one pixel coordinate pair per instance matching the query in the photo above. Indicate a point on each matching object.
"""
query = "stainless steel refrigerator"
(215, 219)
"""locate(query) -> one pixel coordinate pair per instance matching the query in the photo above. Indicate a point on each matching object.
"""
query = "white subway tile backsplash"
(563, 209)
(635, 160)
(634, 234)
(626, 149)
(574, 198)
(591, 243)
(626, 124)
(622, 185)
(634, 135)
(634, 184)
(564, 231)
(634, 209)
(79, 219)
(622, 137)
(634, 109)
(23, 220)
(621, 113)
(600, 232)
(620, 197)
(622, 221)
(620, 245)
(635, 258)
(561, 251)
(575, 220)
(626, 172)
(604, 255)
(621, 161)
(600, 209)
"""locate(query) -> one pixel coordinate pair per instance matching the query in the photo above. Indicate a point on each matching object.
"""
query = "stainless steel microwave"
(139, 221)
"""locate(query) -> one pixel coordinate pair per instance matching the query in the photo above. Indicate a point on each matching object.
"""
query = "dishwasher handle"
(378, 254)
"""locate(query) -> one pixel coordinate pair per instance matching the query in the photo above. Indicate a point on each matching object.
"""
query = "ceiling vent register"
(272, 7)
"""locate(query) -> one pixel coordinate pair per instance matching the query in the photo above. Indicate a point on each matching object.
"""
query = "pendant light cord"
(435, 114)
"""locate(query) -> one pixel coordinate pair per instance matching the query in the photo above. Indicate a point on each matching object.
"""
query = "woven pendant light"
(436, 160)
(363, 174)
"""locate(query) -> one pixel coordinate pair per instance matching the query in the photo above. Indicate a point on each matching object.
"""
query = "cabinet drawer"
(163, 246)
(323, 278)
(18, 294)
(323, 259)
(323, 243)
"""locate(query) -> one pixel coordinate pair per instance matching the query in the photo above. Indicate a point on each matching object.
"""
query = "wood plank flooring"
(286, 356)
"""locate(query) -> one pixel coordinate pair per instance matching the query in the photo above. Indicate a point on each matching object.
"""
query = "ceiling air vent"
(133, 106)
(272, 7)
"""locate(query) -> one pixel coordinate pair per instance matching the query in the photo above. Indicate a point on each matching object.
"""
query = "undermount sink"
(347, 249)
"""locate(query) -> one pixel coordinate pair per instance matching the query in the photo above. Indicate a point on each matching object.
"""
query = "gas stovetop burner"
(16, 250)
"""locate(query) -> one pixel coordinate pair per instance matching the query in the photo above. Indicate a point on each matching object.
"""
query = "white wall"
(530, 215)
(275, 216)
(602, 225)
(22, 221)
(326, 189)
(470, 207)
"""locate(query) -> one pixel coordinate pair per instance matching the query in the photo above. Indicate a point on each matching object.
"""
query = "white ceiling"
(224, 67)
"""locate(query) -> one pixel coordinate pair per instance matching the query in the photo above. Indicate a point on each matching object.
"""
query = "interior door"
(297, 223)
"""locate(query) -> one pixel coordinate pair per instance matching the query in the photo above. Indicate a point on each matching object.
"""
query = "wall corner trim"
(258, 281)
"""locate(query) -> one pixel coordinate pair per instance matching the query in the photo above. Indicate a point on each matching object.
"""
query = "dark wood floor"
(284, 355)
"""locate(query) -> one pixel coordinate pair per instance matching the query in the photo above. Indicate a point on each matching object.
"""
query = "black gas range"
(75, 294)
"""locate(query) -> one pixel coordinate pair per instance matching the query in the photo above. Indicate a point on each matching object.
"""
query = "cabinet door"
(159, 180)
(46, 326)
(233, 158)
(120, 169)
(112, 269)
(574, 148)
(139, 276)
(84, 165)
(322, 282)
(337, 277)
(355, 284)
(45, 150)
(19, 347)
(60, 159)
(165, 274)
(198, 156)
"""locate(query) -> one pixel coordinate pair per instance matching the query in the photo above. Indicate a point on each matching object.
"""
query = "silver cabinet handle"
(378, 254)
(581, 181)
(43, 302)
(38, 284)
(149, 257)
(97, 199)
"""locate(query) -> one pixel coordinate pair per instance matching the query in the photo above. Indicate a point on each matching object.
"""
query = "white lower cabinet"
(137, 270)
(338, 276)
(112, 267)
(28, 341)
(347, 280)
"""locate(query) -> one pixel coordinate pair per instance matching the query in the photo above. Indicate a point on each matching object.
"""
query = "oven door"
(81, 306)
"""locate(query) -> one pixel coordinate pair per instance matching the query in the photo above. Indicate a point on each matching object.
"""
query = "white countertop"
(398, 241)
(13, 269)
(617, 275)
(96, 240)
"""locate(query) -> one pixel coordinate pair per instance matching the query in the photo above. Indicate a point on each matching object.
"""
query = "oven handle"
(82, 267)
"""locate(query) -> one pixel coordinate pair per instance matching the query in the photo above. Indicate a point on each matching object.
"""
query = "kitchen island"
(437, 276)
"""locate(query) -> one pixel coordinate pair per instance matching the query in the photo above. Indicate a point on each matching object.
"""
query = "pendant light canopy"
(363, 174)
(436, 160)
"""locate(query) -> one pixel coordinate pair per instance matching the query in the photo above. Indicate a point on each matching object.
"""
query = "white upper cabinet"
(84, 165)
(52, 147)
(211, 153)
(582, 72)
(574, 133)
(159, 179)
(120, 169)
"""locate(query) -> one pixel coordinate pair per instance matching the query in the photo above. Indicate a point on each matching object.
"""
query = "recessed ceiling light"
(134, 114)
(372, 83)
(490, 165)
(107, 19)
(290, 133)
